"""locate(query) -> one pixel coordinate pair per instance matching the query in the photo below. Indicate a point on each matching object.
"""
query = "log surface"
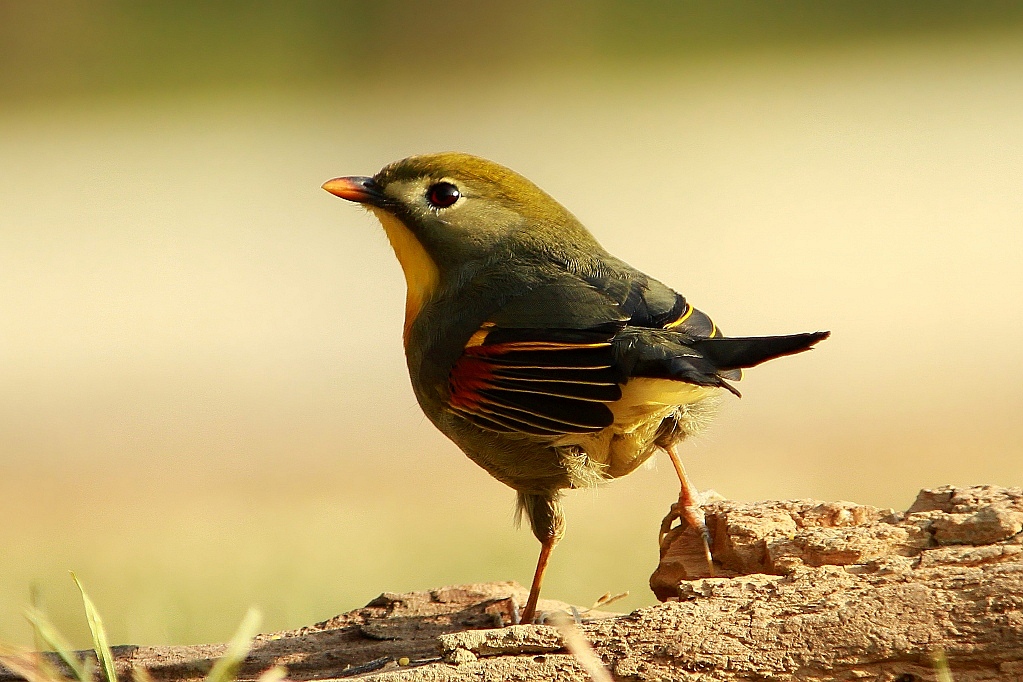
(805, 590)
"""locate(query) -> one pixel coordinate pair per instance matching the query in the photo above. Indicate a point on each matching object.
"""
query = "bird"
(548, 361)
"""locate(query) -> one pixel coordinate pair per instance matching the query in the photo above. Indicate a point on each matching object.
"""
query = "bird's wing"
(695, 351)
(551, 361)
(543, 364)
(666, 354)
(650, 304)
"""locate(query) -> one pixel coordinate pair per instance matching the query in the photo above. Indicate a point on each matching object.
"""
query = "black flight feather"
(582, 414)
(740, 352)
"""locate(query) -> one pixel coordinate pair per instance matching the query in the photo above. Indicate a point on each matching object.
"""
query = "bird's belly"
(645, 404)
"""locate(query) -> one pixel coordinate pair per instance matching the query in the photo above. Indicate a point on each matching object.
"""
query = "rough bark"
(806, 591)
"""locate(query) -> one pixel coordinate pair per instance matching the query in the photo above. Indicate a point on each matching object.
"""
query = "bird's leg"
(689, 509)
(548, 524)
(529, 613)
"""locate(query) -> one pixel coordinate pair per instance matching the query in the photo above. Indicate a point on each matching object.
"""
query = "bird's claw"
(689, 516)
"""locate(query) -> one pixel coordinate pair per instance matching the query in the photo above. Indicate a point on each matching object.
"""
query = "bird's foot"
(689, 513)
(693, 515)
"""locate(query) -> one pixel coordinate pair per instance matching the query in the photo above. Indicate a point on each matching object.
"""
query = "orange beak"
(356, 188)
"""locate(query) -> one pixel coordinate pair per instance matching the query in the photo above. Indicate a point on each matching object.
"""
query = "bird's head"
(462, 207)
(442, 212)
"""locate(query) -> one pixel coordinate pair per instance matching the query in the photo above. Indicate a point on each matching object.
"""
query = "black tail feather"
(741, 352)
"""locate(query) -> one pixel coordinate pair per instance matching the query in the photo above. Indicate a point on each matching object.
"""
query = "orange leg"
(546, 547)
(689, 506)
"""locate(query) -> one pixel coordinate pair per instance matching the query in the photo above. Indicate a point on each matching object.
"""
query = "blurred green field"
(203, 399)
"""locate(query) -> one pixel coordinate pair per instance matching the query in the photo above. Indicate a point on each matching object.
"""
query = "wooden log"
(805, 590)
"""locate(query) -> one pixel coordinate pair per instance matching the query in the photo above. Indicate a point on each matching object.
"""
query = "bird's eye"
(442, 194)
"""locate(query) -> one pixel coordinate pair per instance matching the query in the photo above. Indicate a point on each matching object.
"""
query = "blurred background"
(203, 398)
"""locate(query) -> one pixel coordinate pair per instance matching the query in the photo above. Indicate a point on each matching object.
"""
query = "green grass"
(36, 668)
(99, 636)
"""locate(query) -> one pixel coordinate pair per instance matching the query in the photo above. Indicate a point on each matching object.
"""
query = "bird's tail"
(741, 352)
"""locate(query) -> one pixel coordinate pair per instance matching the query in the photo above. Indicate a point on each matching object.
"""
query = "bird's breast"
(422, 275)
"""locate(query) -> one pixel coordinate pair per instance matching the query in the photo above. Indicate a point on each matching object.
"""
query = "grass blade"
(226, 667)
(43, 665)
(99, 635)
(49, 636)
(941, 668)
(26, 664)
(278, 673)
(580, 648)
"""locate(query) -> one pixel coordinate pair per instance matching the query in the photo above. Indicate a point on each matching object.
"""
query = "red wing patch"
(544, 388)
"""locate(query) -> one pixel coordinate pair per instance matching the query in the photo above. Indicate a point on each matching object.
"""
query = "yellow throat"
(421, 273)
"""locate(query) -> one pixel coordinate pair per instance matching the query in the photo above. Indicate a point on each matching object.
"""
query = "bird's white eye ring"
(442, 194)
